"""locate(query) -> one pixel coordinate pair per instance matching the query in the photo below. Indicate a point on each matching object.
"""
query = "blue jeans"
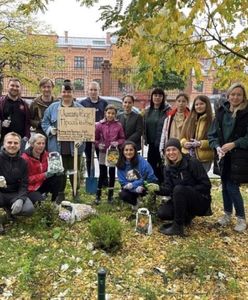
(232, 197)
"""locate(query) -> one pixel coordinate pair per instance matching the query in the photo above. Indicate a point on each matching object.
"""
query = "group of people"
(182, 144)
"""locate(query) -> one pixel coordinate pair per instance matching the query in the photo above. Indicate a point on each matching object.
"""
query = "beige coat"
(203, 153)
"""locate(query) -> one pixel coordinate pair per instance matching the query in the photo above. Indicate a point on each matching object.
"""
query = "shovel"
(91, 181)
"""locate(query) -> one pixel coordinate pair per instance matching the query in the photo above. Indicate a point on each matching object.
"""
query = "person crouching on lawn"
(187, 184)
(13, 179)
(133, 170)
(40, 181)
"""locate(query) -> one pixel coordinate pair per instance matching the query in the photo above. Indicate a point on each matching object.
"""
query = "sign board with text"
(76, 124)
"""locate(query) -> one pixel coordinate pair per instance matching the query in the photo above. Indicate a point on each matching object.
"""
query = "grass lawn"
(44, 258)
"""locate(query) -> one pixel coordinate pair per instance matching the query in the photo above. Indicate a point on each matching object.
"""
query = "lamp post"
(101, 284)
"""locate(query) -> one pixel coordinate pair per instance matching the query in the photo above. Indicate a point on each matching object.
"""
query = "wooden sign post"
(76, 124)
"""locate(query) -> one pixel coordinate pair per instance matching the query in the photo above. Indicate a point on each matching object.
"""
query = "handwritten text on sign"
(76, 124)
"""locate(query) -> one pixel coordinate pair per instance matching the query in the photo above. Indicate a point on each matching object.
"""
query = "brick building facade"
(83, 60)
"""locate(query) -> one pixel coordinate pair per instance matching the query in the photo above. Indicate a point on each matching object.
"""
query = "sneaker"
(241, 225)
(225, 219)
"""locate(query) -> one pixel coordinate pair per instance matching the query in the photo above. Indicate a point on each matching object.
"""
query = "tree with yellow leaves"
(24, 52)
(180, 34)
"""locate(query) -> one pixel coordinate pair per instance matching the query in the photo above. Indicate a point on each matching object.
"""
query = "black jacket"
(163, 116)
(188, 172)
(14, 169)
(133, 127)
(235, 163)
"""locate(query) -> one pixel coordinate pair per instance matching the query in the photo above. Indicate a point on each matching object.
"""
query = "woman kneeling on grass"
(187, 185)
(133, 170)
(40, 181)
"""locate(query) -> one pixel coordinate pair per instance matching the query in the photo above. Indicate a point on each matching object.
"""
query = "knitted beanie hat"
(172, 142)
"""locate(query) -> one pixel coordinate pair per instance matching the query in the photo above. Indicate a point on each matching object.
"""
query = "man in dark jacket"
(187, 185)
(93, 101)
(13, 178)
(14, 112)
(41, 103)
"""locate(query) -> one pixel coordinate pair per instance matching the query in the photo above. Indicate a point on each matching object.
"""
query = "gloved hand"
(195, 143)
(16, 207)
(220, 153)
(49, 174)
(101, 146)
(152, 187)
(53, 130)
(188, 145)
(139, 189)
(128, 186)
(2, 182)
(114, 144)
(6, 123)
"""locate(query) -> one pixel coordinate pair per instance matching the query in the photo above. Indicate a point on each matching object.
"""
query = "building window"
(121, 86)
(59, 82)
(98, 42)
(199, 86)
(60, 61)
(97, 62)
(78, 62)
(79, 84)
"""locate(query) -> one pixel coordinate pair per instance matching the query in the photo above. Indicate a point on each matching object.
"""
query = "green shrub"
(48, 213)
(106, 232)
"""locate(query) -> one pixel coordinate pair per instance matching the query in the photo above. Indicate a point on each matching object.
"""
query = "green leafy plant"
(106, 232)
(48, 213)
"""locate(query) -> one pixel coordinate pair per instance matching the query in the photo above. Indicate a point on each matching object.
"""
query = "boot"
(77, 198)
(174, 229)
(110, 195)
(9, 216)
(98, 196)
(209, 212)
(105, 183)
(60, 198)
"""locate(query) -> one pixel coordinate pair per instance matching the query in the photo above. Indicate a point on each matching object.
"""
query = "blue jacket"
(142, 172)
(50, 120)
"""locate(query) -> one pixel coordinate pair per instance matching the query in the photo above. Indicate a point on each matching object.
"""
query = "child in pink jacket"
(109, 132)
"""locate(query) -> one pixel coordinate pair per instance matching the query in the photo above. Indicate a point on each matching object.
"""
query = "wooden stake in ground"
(75, 166)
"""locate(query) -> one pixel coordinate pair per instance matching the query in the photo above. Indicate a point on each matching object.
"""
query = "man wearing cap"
(186, 187)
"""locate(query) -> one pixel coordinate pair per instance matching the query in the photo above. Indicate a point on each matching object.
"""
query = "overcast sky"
(67, 15)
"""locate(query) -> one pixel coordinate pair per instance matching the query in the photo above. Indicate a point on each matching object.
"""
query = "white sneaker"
(225, 219)
(241, 225)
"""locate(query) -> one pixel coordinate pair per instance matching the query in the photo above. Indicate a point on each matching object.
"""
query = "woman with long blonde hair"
(228, 136)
